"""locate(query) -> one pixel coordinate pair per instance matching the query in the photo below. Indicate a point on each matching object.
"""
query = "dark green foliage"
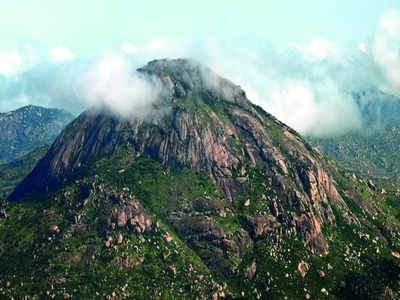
(12, 173)
(372, 282)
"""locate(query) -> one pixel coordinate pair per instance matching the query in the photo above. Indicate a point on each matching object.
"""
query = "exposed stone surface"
(258, 225)
(168, 237)
(131, 213)
(172, 268)
(324, 291)
(207, 204)
(303, 268)
(120, 239)
(204, 228)
(251, 270)
(54, 228)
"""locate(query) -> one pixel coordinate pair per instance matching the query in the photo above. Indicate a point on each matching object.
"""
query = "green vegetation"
(12, 173)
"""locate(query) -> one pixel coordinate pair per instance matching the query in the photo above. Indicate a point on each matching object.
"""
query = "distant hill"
(376, 155)
(29, 128)
(373, 151)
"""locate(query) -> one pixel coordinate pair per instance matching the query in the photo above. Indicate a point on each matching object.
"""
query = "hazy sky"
(90, 25)
(302, 61)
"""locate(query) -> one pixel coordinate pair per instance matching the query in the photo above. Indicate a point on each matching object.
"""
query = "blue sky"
(299, 60)
(91, 25)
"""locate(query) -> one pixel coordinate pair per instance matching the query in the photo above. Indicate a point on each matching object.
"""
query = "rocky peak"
(183, 77)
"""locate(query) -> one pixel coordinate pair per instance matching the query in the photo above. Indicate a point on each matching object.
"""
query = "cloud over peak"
(113, 82)
(10, 62)
(129, 48)
(316, 49)
(59, 54)
(362, 47)
(386, 51)
(308, 85)
(390, 22)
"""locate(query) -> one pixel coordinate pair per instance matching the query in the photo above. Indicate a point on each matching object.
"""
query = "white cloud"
(112, 84)
(128, 48)
(313, 108)
(297, 86)
(316, 49)
(362, 47)
(295, 46)
(386, 51)
(293, 103)
(10, 62)
(391, 23)
(309, 86)
(59, 54)
(321, 49)
(166, 47)
(158, 43)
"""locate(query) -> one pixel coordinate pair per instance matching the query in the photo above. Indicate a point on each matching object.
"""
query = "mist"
(114, 83)
(109, 80)
(319, 88)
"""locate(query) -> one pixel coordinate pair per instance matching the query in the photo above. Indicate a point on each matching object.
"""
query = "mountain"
(214, 198)
(373, 151)
(28, 128)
